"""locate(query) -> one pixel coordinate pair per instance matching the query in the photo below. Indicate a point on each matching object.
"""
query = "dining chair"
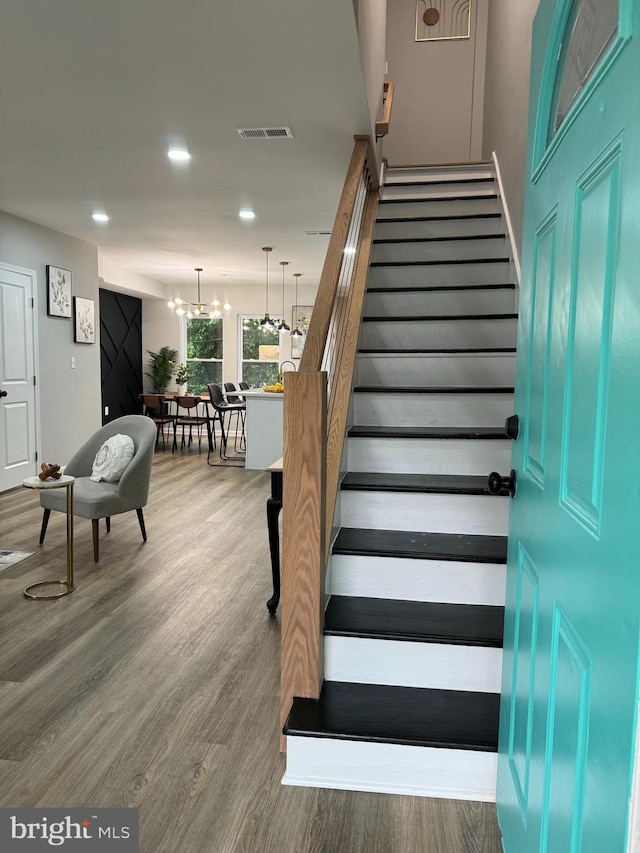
(189, 418)
(154, 407)
(96, 500)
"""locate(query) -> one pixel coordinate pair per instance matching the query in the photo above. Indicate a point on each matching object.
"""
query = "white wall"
(161, 327)
(69, 400)
(506, 102)
(438, 103)
(371, 20)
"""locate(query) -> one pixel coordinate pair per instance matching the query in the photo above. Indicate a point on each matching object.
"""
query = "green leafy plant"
(183, 374)
(162, 365)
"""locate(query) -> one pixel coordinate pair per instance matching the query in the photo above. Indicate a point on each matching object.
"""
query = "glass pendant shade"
(282, 326)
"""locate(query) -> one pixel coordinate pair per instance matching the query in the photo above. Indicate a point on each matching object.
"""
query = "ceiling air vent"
(318, 233)
(265, 132)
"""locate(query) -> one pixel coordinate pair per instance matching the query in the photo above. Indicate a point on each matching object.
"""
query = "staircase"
(413, 627)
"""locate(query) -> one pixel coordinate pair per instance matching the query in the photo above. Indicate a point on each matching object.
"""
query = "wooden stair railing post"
(303, 546)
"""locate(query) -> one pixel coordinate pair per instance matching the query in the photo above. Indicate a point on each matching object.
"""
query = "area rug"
(10, 558)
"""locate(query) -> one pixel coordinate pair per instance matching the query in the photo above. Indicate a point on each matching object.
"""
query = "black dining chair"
(222, 409)
(232, 397)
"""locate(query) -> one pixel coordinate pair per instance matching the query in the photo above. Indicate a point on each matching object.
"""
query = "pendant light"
(198, 308)
(267, 323)
(282, 326)
(296, 332)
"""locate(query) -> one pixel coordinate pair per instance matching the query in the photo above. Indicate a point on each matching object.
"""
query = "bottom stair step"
(414, 716)
(400, 740)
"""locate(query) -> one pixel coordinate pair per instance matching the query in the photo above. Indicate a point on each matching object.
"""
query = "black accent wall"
(120, 354)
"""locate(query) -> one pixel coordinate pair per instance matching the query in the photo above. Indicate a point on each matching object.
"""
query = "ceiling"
(94, 93)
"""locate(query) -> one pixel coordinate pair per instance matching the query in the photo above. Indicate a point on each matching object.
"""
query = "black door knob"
(4, 393)
(512, 427)
(499, 485)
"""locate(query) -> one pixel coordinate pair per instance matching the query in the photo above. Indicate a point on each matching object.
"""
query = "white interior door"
(17, 373)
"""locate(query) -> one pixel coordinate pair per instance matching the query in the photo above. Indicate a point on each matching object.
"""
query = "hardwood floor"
(155, 684)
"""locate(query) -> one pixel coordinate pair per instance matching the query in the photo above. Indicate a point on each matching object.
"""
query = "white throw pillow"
(112, 459)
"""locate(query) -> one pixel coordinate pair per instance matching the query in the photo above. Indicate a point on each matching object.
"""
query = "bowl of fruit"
(278, 388)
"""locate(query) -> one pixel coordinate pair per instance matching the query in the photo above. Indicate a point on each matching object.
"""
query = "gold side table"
(65, 482)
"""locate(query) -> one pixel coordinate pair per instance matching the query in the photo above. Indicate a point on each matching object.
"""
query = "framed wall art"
(84, 323)
(58, 292)
(443, 20)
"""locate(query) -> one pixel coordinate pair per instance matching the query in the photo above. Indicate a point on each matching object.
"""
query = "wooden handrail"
(382, 126)
(316, 405)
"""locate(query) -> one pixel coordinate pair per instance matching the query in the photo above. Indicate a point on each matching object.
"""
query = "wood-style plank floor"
(155, 684)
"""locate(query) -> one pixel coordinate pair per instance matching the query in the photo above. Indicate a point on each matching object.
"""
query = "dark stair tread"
(440, 288)
(415, 621)
(441, 262)
(427, 200)
(438, 182)
(416, 545)
(385, 240)
(428, 318)
(411, 351)
(454, 217)
(414, 716)
(471, 433)
(410, 389)
(438, 484)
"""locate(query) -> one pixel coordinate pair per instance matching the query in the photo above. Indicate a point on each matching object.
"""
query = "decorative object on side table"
(58, 292)
(49, 469)
(84, 324)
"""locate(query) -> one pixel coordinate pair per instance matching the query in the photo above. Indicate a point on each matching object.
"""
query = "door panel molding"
(592, 291)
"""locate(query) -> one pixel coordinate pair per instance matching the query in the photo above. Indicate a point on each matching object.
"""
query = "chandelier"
(198, 308)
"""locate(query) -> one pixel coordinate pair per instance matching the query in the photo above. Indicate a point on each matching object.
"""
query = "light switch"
(106, 411)
(73, 363)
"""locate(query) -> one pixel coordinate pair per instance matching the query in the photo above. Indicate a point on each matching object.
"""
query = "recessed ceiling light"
(247, 214)
(99, 216)
(178, 155)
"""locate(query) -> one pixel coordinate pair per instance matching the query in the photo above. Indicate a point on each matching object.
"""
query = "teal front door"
(570, 680)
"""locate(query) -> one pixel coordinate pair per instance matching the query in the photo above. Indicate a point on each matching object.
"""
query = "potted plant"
(183, 372)
(162, 365)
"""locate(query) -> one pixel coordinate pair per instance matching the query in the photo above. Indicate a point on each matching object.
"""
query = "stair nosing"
(427, 200)
(381, 241)
(440, 554)
(425, 697)
(409, 389)
(454, 217)
(443, 262)
(429, 433)
(428, 318)
(440, 182)
(454, 350)
(442, 484)
(442, 288)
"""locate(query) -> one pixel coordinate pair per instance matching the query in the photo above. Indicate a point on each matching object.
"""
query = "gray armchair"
(102, 500)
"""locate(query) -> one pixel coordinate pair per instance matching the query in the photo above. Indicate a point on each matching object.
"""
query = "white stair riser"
(437, 666)
(428, 456)
(436, 334)
(419, 771)
(437, 190)
(473, 410)
(438, 227)
(397, 174)
(440, 250)
(462, 371)
(438, 275)
(429, 302)
(418, 580)
(481, 515)
(448, 207)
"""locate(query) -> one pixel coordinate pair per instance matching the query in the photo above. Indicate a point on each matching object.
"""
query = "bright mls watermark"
(80, 830)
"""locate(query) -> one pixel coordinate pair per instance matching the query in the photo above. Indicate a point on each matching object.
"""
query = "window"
(591, 28)
(204, 353)
(259, 353)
